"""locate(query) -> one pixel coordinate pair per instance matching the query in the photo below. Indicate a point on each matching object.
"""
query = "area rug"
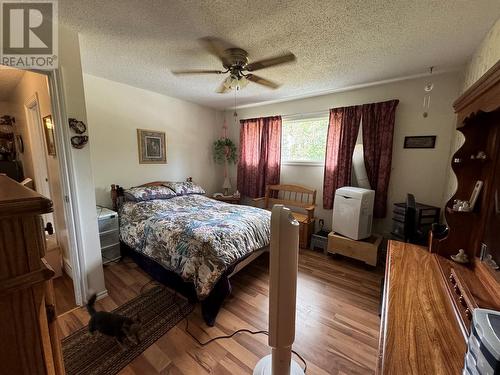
(159, 310)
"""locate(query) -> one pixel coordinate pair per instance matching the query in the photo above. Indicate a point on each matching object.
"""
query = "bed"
(190, 242)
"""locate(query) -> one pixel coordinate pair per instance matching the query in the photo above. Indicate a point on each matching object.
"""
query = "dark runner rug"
(159, 310)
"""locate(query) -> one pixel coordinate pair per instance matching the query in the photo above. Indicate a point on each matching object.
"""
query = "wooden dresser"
(419, 334)
(429, 299)
(28, 338)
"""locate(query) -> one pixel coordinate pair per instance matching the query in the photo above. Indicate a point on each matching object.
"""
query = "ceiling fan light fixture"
(234, 82)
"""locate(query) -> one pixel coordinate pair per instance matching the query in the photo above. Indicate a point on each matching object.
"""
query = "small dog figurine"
(123, 329)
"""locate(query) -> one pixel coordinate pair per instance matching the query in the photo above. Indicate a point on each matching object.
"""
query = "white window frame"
(305, 116)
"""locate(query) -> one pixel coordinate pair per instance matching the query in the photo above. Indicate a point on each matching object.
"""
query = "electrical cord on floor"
(243, 330)
(152, 281)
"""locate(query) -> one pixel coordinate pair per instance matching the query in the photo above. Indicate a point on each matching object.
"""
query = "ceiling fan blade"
(266, 63)
(216, 47)
(222, 89)
(262, 81)
(181, 72)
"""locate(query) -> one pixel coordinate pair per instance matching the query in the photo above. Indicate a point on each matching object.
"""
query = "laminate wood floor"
(337, 320)
(65, 294)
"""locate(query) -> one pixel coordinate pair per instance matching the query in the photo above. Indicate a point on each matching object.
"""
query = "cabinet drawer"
(109, 238)
(111, 253)
(108, 223)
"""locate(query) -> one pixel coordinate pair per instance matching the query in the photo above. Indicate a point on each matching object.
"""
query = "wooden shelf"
(455, 212)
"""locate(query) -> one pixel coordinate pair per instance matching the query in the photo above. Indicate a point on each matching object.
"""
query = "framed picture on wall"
(48, 129)
(152, 146)
(422, 141)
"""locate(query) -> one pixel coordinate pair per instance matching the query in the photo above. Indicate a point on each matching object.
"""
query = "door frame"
(68, 182)
(39, 157)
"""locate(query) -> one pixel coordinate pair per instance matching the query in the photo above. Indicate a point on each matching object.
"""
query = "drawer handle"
(468, 314)
(461, 299)
(452, 279)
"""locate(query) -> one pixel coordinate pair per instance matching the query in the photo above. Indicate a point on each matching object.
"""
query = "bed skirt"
(210, 306)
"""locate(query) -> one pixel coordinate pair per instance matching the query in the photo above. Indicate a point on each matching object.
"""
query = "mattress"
(196, 237)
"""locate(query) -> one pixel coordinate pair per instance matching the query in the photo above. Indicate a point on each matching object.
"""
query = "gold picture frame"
(48, 130)
(152, 145)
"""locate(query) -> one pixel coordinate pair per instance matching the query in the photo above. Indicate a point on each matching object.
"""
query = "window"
(303, 139)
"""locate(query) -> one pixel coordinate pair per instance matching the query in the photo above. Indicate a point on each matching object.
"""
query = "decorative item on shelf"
(427, 96)
(79, 141)
(225, 152)
(460, 205)
(152, 146)
(460, 257)
(48, 129)
(475, 194)
(77, 126)
(237, 194)
(481, 155)
(421, 141)
(490, 262)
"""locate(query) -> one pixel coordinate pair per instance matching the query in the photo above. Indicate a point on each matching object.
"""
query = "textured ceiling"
(337, 43)
(9, 78)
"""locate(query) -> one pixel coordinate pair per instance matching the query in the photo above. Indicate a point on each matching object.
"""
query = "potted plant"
(224, 153)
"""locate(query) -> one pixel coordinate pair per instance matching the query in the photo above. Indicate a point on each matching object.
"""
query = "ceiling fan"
(235, 62)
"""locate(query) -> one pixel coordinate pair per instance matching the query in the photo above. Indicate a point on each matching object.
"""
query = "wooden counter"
(418, 333)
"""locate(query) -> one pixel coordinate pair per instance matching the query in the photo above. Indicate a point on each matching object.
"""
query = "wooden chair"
(301, 200)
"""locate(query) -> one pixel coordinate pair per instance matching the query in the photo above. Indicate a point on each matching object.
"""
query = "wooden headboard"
(117, 191)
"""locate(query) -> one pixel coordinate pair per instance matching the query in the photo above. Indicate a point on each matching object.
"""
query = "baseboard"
(102, 294)
(67, 268)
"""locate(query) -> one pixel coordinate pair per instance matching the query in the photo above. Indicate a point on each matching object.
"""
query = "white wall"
(421, 172)
(115, 112)
(485, 56)
(86, 215)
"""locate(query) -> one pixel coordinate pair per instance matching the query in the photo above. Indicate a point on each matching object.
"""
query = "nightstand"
(109, 234)
(228, 199)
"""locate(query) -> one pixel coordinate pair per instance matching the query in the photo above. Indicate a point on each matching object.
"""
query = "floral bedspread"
(194, 236)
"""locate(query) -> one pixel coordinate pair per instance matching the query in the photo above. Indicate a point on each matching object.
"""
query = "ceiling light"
(235, 83)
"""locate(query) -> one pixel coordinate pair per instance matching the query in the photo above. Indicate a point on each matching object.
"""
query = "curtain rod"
(317, 113)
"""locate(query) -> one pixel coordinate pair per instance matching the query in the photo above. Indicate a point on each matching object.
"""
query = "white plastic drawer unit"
(111, 253)
(108, 223)
(109, 238)
(109, 234)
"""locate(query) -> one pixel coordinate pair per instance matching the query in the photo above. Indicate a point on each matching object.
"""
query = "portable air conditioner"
(284, 254)
(353, 212)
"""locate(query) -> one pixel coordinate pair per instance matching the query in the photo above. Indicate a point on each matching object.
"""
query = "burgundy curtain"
(378, 129)
(342, 134)
(260, 155)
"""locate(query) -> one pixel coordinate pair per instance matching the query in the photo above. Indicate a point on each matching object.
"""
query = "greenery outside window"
(303, 139)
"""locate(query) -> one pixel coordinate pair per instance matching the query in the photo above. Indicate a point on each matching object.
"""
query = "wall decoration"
(79, 141)
(48, 129)
(152, 146)
(423, 141)
(427, 94)
(77, 126)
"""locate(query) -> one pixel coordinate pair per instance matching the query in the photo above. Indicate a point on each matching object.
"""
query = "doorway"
(28, 98)
(38, 150)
